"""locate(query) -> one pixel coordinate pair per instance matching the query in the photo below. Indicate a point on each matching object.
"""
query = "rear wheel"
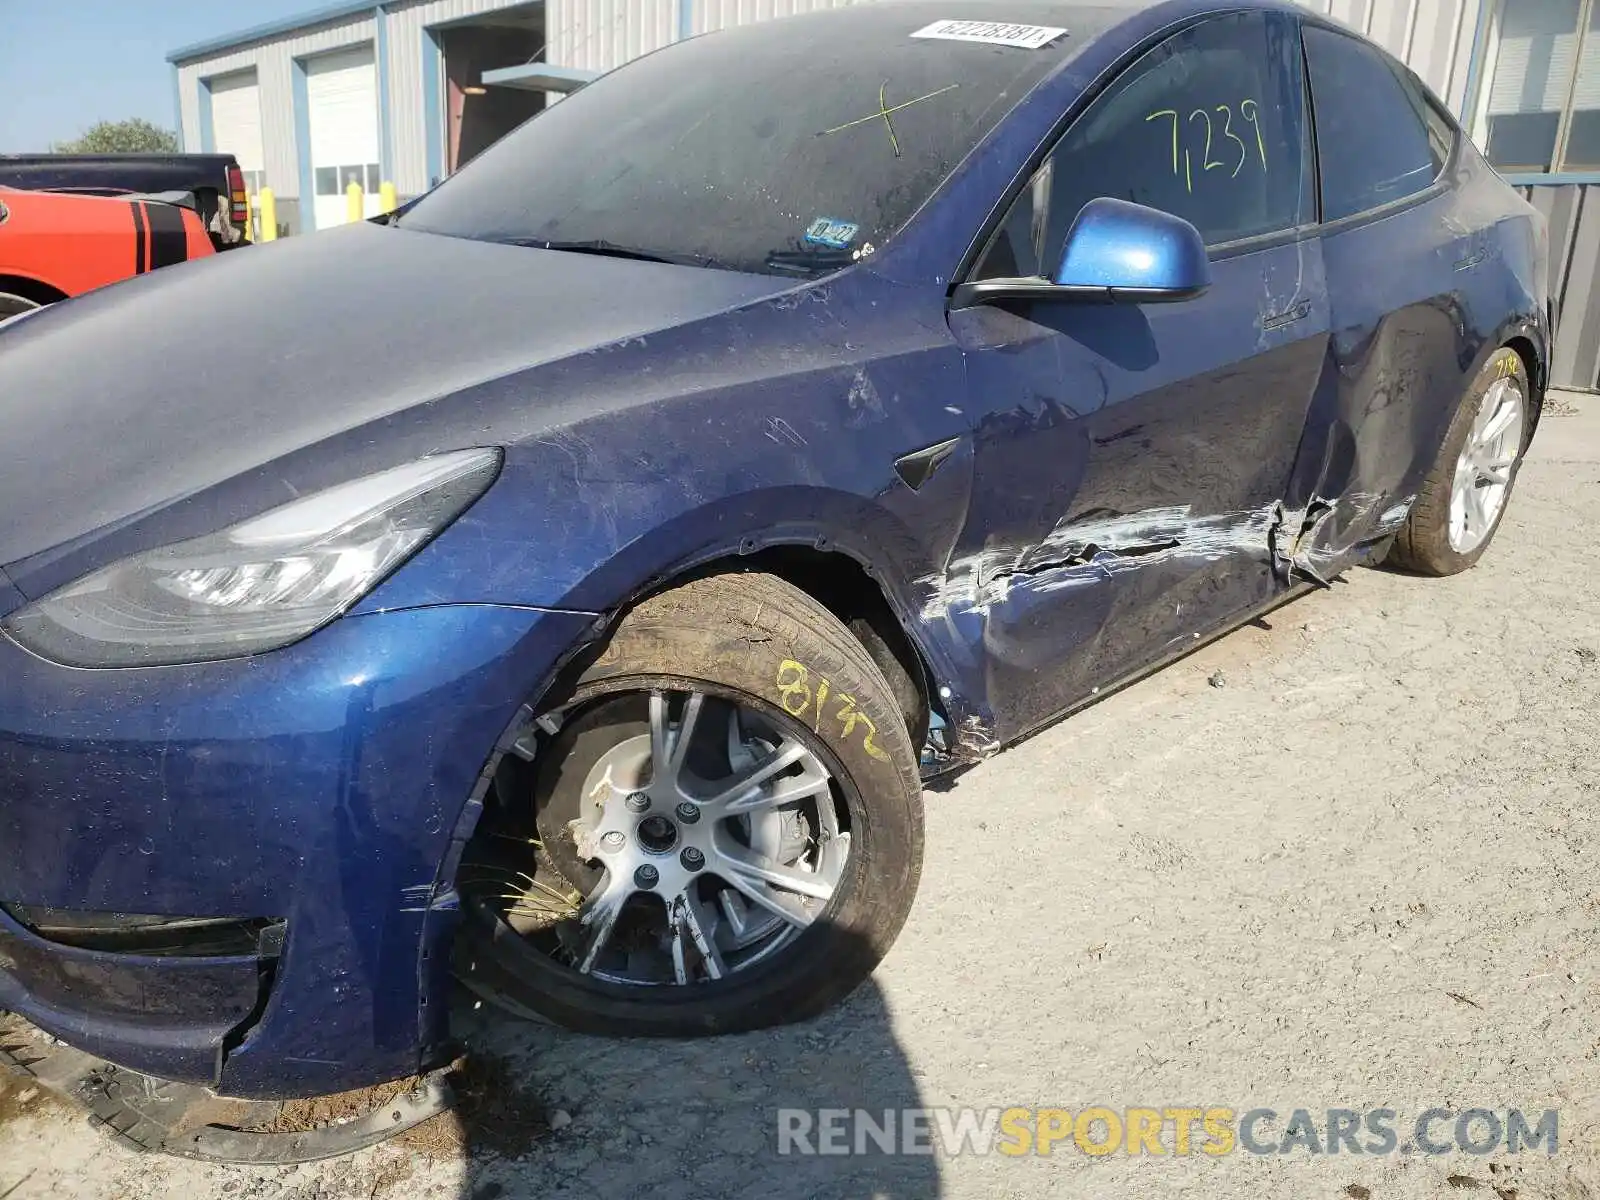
(1464, 497)
(722, 832)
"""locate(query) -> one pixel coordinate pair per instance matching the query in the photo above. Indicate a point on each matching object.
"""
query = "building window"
(1538, 103)
(336, 181)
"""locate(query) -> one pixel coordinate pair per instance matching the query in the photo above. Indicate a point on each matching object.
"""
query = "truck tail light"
(239, 206)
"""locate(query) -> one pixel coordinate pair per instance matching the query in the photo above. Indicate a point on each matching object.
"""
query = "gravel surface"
(1362, 874)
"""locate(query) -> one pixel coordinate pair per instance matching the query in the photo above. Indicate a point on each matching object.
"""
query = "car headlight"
(258, 585)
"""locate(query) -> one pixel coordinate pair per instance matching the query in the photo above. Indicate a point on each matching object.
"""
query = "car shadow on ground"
(553, 1114)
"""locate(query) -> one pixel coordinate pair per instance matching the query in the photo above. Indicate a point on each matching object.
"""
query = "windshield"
(786, 147)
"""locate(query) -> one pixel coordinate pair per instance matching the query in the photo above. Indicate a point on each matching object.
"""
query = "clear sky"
(65, 64)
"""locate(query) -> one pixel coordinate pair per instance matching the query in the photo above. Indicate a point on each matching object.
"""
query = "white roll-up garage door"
(236, 130)
(342, 96)
(236, 123)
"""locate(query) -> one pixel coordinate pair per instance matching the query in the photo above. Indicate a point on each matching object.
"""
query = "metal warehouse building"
(407, 90)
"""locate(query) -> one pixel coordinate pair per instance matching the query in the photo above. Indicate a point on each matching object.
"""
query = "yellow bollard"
(388, 198)
(354, 202)
(269, 215)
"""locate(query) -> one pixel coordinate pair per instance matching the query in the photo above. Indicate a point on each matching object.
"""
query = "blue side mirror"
(1114, 251)
(1133, 252)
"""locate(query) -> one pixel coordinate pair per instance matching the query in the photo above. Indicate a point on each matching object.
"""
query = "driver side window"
(1209, 126)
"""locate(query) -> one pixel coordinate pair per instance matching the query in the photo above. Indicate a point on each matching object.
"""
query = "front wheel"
(12, 305)
(723, 832)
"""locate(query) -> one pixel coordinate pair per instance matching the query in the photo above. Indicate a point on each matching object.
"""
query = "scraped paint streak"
(1082, 553)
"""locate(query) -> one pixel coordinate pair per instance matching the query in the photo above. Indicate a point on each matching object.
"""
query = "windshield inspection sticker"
(993, 33)
(835, 235)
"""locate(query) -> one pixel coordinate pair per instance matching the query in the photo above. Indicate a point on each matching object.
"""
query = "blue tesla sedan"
(572, 578)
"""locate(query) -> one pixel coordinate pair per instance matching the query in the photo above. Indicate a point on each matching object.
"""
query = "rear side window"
(1377, 140)
(1210, 126)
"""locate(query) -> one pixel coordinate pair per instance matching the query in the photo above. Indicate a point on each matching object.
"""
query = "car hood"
(117, 404)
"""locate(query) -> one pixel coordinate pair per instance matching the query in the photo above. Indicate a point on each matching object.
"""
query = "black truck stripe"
(138, 238)
(169, 243)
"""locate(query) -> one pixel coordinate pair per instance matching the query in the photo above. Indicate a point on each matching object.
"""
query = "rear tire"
(1465, 496)
(748, 652)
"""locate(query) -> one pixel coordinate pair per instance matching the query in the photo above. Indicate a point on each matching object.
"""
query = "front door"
(1129, 458)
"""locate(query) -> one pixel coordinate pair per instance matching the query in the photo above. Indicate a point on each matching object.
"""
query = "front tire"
(1464, 497)
(724, 833)
(12, 305)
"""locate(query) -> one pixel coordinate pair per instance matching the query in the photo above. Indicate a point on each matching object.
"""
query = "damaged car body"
(591, 639)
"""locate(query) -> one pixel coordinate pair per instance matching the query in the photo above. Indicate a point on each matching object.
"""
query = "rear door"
(1402, 251)
(1128, 458)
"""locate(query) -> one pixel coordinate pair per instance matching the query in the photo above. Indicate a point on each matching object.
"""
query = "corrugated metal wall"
(408, 120)
(597, 35)
(1433, 36)
(273, 62)
(1574, 216)
(711, 15)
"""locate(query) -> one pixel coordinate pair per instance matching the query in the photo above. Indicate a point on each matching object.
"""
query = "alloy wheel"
(702, 845)
(1483, 471)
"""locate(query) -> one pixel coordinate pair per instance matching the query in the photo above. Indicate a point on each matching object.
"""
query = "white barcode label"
(994, 33)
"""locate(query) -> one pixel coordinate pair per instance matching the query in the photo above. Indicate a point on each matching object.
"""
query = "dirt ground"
(1363, 872)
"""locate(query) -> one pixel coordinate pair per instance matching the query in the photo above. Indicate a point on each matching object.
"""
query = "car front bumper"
(322, 786)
